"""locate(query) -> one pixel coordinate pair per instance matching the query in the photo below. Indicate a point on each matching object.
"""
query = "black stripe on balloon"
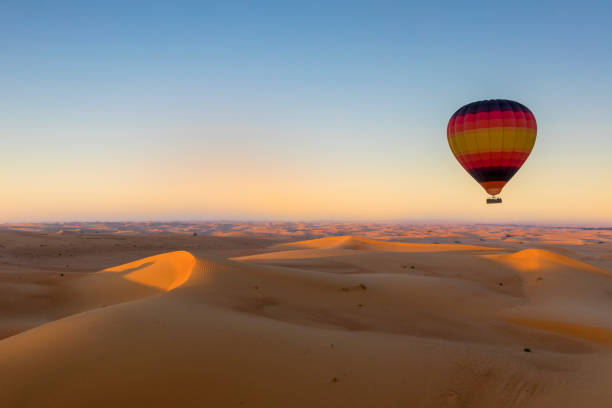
(493, 173)
(491, 105)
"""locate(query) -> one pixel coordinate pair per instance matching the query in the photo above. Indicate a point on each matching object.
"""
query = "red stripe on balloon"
(493, 159)
(482, 120)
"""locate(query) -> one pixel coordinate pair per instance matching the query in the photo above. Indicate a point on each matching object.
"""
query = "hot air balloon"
(492, 139)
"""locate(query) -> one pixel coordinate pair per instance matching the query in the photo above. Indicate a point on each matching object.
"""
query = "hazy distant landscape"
(305, 230)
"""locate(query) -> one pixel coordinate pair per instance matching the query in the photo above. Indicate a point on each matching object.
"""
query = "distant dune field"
(397, 316)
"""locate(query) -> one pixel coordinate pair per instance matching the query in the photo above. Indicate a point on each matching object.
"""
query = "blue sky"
(93, 94)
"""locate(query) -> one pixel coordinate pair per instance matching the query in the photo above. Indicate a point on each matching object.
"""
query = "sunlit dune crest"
(358, 243)
(590, 333)
(165, 271)
(533, 259)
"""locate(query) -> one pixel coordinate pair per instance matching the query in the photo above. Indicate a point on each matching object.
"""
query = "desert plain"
(223, 314)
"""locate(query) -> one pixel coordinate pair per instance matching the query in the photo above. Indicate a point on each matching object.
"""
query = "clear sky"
(296, 110)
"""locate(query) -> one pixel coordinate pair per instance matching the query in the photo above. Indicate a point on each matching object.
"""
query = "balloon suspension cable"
(494, 200)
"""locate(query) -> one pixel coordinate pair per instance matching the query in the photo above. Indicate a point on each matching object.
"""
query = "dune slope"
(563, 295)
(31, 302)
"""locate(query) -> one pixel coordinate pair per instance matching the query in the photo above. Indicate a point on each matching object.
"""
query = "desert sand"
(304, 315)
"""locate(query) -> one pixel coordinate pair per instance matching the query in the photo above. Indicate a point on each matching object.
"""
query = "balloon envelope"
(492, 139)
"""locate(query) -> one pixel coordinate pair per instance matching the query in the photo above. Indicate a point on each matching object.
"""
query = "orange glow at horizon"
(188, 187)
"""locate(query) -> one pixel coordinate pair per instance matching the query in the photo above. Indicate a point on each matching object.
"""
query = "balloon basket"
(494, 200)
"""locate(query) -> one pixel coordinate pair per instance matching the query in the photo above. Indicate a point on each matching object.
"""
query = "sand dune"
(563, 295)
(38, 303)
(164, 272)
(342, 321)
(539, 259)
(357, 243)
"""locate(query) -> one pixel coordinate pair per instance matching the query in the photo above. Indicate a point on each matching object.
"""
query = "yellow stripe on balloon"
(493, 140)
